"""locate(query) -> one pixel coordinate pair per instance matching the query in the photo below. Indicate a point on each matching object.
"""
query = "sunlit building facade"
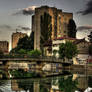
(4, 46)
(15, 38)
(59, 22)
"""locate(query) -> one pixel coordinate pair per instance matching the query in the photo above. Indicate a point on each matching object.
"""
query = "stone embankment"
(80, 69)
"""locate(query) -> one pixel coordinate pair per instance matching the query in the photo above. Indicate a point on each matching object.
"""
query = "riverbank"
(80, 69)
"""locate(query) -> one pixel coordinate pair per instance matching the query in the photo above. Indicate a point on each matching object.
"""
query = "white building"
(56, 43)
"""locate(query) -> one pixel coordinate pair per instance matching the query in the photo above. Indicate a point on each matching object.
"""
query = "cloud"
(88, 9)
(23, 28)
(81, 28)
(5, 26)
(26, 11)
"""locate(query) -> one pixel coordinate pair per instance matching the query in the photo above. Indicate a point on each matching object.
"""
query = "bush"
(90, 49)
(1, 54)
(34, 53)
(67, 50)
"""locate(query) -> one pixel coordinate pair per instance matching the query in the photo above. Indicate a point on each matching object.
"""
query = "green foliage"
(67, 85)
(90, 37)
(43, 89)
(46, 28)
(34, 53)
(54, 52)
(22, 51)
(4, 75)
(67, 50)
(62, 51)
(26, 85)
(90, 50)
(72, 29)
(1, 54)
(22, 74)
(89, 81)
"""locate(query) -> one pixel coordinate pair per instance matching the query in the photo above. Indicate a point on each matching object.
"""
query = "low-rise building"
(56, 43)
(83, 50)
(4, 46)
(82, 46)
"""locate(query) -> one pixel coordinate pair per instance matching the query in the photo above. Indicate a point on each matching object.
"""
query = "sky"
(16, 14)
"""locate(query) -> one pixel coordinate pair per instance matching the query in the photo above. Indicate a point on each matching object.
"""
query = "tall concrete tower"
(59, 23)
(15, 38)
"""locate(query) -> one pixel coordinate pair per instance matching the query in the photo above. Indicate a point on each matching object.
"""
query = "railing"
(15, 57)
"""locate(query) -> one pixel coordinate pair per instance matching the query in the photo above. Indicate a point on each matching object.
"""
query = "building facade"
(4, 46)
(15, 38)
(59, 21)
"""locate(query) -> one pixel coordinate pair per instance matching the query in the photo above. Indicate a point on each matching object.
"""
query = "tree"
(34, 53)
(67, 85)
(62, 51)
(90, 50)
(26, 85)
(46, 28)
(67, 50)
(90, 37)
(22, 51)
(54, 52)
(72, 29)
(26, 43)
(1, 54)
(43, 88)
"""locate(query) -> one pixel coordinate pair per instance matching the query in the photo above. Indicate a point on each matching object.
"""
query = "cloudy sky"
(16, 14)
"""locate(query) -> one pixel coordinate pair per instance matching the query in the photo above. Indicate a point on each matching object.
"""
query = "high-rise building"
(59, 22)
(15, 38)
(4, 46)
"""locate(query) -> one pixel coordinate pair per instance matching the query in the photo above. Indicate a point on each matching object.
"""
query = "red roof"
(61, 38)
(89, 60)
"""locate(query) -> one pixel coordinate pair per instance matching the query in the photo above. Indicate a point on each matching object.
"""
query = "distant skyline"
(81, 9)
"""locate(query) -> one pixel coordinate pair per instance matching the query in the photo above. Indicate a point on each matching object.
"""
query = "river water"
(63, 83)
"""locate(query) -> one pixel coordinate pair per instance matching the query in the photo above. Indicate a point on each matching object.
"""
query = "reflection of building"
(15, 38)
(36, 87)
(14, 86)
(55, 90)
(82, 83)
(4, 46)
(59, 23)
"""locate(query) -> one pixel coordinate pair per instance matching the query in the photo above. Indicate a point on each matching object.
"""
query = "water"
(47, 81)
(62, 83)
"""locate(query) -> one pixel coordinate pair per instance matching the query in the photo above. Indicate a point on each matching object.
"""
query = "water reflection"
(68, 83)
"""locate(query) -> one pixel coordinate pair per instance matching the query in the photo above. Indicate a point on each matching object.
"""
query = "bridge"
(39, 59)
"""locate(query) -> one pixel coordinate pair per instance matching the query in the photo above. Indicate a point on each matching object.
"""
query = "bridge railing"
(21, 56)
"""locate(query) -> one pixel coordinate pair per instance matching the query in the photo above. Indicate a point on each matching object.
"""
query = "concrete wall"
(59, 19)
(15, 38)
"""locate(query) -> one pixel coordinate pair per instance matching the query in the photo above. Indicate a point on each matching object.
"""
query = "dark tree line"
(72, 29)
(26, 43)
(90, 40)
(46, 29)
